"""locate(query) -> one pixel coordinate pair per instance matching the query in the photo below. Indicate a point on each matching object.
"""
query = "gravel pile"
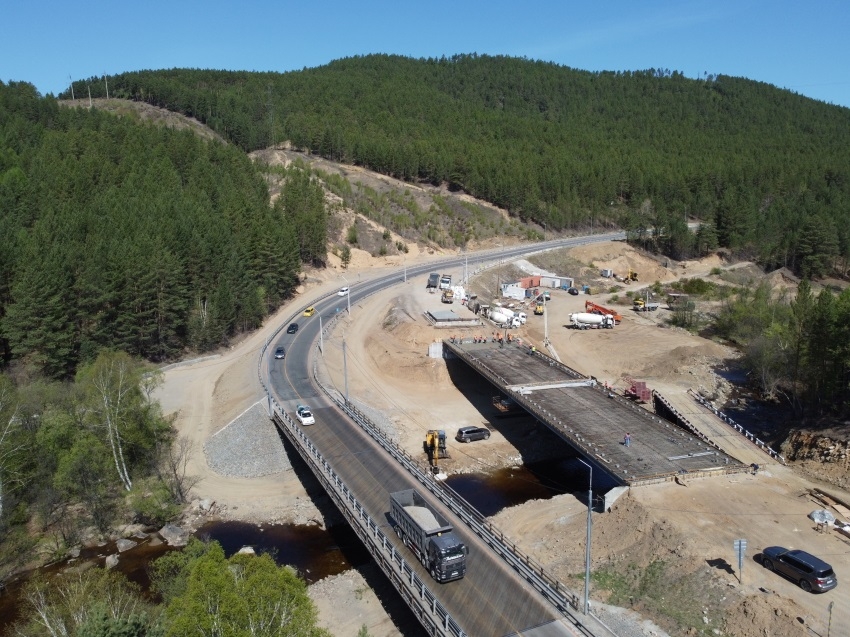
(248, 447)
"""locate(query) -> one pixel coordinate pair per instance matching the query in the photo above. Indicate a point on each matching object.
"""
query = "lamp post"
(348, 293)
(587, 542)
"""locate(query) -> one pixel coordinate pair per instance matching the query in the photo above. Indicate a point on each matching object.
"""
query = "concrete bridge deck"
(591, 419)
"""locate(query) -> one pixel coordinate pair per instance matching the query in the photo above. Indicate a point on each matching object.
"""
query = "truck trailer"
(429, 535)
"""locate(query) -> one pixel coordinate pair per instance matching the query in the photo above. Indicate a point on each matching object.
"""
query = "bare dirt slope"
(689, 528)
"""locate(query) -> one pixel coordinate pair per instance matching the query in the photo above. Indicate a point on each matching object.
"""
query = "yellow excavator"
(435, 447)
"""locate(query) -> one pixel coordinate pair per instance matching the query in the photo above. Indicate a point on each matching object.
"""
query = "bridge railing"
(427, 607)
(749, 436)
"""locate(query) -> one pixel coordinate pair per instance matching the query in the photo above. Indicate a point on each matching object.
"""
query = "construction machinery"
(448, 296)
(594, 308)
(435, 447)
(630, 276)
(539, 309)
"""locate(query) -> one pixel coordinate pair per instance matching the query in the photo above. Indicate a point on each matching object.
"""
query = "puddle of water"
(315, 553)
(490, 493)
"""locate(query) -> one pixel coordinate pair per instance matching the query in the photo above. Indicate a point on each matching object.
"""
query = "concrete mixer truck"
(586, 320)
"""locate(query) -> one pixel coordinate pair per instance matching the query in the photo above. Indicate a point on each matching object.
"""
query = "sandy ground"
(690, 526)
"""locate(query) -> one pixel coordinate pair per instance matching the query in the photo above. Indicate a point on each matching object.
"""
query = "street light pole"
(587, 542)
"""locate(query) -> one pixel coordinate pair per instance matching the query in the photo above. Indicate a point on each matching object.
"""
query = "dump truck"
(429, 535)
(433, 280)
(595, 308)
(645, 306)
(586, 320)
(445, 281)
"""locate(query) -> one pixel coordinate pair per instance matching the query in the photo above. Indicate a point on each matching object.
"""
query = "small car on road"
(304, 415)
(468, 434)
(572, 291)
(809, 572)
(343, 291)
(293, 327)
(310, 311)
(280, 353)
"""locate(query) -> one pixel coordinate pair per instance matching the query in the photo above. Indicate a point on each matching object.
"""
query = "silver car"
(468, 434)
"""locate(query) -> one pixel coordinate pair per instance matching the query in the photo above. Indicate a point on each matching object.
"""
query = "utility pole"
(545, 324)
(106, 80)
(90, 102)
(72, 87)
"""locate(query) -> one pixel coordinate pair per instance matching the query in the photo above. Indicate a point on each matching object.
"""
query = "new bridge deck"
(591, 419)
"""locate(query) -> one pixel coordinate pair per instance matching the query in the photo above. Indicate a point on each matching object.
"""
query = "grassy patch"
(674, 600)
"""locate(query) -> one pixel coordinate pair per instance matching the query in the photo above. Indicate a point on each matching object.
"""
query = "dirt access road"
(689, 529)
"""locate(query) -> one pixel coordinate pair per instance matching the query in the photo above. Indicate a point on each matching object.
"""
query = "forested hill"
(768, 170)
(138, 238)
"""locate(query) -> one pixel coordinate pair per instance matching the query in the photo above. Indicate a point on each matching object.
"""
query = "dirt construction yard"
(672, 542)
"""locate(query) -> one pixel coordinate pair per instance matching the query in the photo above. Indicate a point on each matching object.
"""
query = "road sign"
(740, 549)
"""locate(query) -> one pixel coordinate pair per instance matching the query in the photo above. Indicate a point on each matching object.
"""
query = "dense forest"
(767, 171)
(136, 238)
(121, 241)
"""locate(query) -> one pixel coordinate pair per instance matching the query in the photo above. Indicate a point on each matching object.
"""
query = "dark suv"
(468, 434)
(810, 572)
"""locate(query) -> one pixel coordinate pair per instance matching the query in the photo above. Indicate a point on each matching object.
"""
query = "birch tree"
(112, 387)
(12, 444)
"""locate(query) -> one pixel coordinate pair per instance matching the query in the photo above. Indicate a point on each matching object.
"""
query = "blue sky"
(802, 46)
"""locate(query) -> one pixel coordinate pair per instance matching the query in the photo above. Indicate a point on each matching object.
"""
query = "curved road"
(491, 599)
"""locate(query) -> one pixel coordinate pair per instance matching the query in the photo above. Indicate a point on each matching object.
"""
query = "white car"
(304, 415)
(343, 291)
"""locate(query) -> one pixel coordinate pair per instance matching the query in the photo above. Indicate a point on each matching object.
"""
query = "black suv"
(468, 434)
(293, 327)
(810, 572)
